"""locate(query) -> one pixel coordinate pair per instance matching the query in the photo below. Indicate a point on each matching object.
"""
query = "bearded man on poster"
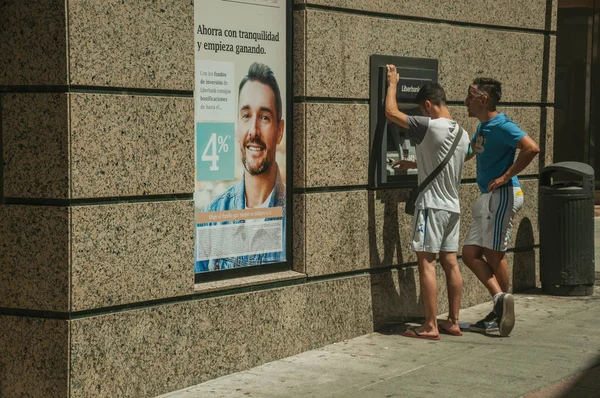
(260, 129)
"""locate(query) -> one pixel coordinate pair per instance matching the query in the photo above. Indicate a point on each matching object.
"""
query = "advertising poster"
(240, 141)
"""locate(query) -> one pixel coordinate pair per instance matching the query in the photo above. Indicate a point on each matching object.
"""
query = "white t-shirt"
(434, 139)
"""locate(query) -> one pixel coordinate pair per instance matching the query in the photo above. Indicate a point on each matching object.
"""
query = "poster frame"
(211, 276)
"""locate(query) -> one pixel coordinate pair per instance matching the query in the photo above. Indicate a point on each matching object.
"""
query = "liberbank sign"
(242, 116)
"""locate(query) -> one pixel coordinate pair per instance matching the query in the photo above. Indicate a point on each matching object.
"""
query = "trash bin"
(566, 222)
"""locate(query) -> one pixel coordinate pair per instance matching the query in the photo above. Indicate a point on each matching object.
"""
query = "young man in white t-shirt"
(437, 214)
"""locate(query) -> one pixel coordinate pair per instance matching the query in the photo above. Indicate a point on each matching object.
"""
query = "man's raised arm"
(391, 105)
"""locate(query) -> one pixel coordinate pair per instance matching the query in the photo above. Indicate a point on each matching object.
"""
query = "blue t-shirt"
(495, 144)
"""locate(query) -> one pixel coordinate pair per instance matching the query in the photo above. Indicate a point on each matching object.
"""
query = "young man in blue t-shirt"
(494, 144)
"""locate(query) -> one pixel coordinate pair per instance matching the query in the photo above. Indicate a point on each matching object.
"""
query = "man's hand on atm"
(392, 75)
(403, 165)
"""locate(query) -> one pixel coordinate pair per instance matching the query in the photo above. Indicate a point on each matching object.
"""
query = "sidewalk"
(553, 351)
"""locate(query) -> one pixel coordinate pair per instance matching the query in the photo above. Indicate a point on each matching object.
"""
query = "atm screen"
(399, 146)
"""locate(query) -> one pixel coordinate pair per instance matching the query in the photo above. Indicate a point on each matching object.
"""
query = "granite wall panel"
(33, 45)
(390, 228)
(299, 53)
(161, 59)
(331, 43)
(178, 345)
(337, 144)
(299, 141)
(547, 154)
(535, 14)
(336, 232)
(132, 44)
(525, 273)
(35, 145)
(126, 253)
(34, 357)
(34, 257)
(145, 147)
(299, 233)
(83, 145)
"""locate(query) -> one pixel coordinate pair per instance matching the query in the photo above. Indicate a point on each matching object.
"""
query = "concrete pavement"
(553, 351)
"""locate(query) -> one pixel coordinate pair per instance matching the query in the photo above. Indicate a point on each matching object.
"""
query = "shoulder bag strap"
(441, 166)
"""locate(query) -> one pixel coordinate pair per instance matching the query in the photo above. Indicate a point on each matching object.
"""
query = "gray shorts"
(435, 231)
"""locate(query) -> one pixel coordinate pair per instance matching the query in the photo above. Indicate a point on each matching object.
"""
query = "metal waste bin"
(566, 222)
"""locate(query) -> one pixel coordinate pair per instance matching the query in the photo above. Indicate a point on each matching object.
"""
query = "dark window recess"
(577, 85)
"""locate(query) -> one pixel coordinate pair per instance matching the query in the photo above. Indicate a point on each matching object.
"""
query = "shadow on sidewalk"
(586, 384)
(583, 385)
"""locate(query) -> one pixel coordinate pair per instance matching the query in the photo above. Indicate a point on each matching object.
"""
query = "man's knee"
(448, 260)
(426, 260)
(495, 258)
(470, 254)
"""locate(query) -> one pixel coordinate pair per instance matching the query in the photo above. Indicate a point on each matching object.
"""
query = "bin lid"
(561, 188)
(578, 168)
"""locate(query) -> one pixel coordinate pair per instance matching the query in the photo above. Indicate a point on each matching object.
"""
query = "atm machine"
(388, 141)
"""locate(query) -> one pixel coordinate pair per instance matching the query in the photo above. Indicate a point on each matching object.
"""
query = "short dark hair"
(432, 92)
(492, 87)
(263, 74)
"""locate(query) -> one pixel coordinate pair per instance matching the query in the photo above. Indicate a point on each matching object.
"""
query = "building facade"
(97, 294)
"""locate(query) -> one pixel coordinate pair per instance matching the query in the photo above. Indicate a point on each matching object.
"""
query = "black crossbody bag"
(414, 194)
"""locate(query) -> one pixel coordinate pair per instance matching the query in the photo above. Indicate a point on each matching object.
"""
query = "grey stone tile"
(512, 13)
(131, 44)
(299, 53)
(299, 139)
(338, 309)
(299, 233)
(525, 272)
(35, 134)
(245, 281)
(547, 153)
(33, 45)
(338, 64)
(151, 351)
(336, 232)
(125, 253)
(34, 357)
(279, 318)
(551, 69)
(34, 253)
(145, 147)
(337, 145)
